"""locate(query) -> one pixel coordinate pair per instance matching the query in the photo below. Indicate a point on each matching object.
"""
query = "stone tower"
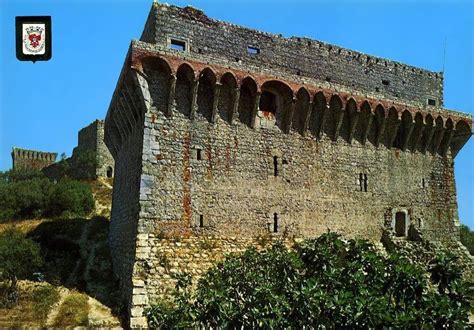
(228, 133)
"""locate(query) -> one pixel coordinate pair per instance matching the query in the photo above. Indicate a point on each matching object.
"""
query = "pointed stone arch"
(404, 131)
(334, 112)
(205, 94)
(302, 108)
(184, 90)
(276, 105)
(316, 119)
(157, 73)
(364, 124)
(247, 98)
(349, 121)
(391, 127)
(462, 133)
(227, 97)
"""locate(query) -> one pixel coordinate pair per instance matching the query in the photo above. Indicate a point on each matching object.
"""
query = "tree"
(323, 282)
(19, 258)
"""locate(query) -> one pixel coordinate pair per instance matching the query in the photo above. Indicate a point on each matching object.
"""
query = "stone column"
(339, 119)
(235, 104)
(406, 138)
(308, 117)
(353, 125)
(255, 109)
(194, 98)
(172, 90)
(215, 103)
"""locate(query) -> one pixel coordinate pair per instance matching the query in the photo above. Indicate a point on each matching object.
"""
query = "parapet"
(32, 159)
(191, 31)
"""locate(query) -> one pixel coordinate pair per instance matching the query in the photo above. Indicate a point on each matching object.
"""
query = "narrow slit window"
(275, 166)
(253, 50)
(199, 154)
(363, 182)
(275, 222)
(178, 45)
(201, 221)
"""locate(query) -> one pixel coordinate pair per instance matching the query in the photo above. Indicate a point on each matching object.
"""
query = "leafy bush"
(19, 258)
(73, 197)
(467, 238)
(323, 282)
(43, 298)
(28, 194)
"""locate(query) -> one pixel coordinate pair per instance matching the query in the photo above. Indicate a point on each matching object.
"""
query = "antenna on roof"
(444, 53)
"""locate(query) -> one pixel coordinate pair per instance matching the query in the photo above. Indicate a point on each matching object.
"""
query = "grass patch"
(43, 298)
(73, 311)
(33, 307)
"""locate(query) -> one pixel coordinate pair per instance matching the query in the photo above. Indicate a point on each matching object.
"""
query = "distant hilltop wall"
(90, 159)
(24, 159)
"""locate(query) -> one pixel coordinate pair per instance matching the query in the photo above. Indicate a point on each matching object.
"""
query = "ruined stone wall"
(91, 139)
(300, 56)
(24, 159)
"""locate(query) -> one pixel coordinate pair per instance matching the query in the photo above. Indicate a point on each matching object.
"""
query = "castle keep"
(224, 134)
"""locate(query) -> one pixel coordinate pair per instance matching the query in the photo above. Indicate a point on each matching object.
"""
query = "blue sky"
(43, 105)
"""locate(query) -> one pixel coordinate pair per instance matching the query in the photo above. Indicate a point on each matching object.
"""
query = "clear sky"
(43, 105)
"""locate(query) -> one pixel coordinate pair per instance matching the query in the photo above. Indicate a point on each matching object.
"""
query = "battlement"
(193, 33)
(32, 159)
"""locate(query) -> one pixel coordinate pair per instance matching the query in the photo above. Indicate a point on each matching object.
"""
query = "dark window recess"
(423, 183)
(253, 50)
(267, 102)
(377, 89)
(109, 172)
(198, 154)
(431, 102)
(328, 79)
(201, 221)
(385, 82)
(284, 162)
(275, 222)
(275, 165)
(363, 182)
(178, 45)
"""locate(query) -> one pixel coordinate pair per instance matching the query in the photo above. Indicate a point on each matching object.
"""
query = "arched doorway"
(110, 171)
(400, 224)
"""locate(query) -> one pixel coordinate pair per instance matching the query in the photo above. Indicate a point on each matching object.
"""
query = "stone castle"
(90, 140)
(222, 135)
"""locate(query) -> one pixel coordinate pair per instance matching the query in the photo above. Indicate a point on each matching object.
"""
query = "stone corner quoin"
(222, 135)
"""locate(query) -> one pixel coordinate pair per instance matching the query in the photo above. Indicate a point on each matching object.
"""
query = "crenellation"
(24, 159)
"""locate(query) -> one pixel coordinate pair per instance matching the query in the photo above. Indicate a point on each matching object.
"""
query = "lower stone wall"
(159, 259)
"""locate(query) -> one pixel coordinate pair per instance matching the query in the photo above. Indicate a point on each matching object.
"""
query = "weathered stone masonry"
(222, 135)
(24, 159)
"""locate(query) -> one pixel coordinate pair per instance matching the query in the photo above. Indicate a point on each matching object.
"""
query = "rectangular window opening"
(198, 154)
(201, 221)
(178, 45)
(275, 222)
(385, 82)
(253, 50)
(432, 102)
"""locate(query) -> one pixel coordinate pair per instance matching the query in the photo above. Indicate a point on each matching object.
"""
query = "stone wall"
(295, 55)
(24, 159)
(214, 152)
(91, 138)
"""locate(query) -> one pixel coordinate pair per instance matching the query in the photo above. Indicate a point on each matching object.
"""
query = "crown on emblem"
(34, 29)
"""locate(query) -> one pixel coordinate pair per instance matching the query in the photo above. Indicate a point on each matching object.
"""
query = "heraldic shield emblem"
(33, 38)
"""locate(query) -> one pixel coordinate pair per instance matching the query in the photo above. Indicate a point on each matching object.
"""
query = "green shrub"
(71, 197)
(29, 194)
(467, 238)
(19, 258)
(323, 282)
